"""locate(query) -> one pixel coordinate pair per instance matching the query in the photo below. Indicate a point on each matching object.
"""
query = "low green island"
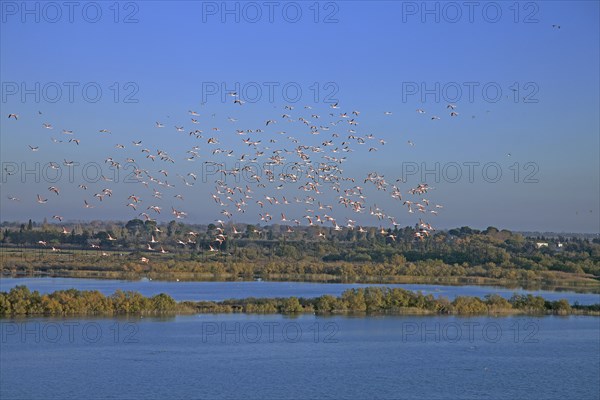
(20, 301)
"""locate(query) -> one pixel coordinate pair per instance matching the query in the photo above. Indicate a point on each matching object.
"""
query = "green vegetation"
(20, 301)
(460, 255)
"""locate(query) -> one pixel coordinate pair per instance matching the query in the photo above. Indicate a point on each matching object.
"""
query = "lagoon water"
(309, 357)
(233, 356)
(216, 291)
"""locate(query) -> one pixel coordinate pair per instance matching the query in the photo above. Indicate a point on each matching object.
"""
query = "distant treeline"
(262, 251)
(20, 301)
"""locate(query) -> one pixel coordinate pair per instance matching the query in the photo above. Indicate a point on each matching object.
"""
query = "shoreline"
(584, 287)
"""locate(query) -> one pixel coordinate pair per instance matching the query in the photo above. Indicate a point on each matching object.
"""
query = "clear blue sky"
(373, 52)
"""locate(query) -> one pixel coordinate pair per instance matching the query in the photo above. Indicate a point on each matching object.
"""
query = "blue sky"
(369, 55)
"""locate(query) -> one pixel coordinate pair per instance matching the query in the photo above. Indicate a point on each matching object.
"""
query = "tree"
(171, 227)
(291, 305)
(163, 302)
(561, 306)
(496, 302)
(326, 303)
(354, 299)
(134, 226)
(149, 226)
(469, 305)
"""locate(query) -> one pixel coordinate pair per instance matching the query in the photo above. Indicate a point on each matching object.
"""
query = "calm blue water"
(274, 357)
(217, 291)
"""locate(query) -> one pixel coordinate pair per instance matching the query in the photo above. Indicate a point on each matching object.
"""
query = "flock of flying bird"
(272, 162)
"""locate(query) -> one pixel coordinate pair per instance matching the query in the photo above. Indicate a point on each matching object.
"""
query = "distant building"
(558, 247)
(539, 245)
